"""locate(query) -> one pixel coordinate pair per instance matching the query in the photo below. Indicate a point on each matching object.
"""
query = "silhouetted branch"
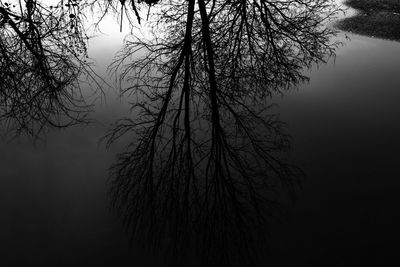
(207, 164)
(43, 55)
(206, 167)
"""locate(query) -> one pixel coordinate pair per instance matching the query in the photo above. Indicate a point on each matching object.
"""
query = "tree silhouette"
(207, 163)
(206, 167)
(42, 57)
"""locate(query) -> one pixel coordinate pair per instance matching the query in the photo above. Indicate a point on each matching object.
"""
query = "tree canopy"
(206, 165)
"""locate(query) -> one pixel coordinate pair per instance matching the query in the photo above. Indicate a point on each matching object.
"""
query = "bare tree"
(43, 53)
(206, 167)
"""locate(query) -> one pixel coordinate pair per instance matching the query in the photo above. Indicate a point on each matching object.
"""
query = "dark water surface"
(346, 127)
(53, 205)
(346, 130)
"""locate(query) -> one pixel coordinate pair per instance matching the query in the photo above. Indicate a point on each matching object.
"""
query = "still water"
(345, 128)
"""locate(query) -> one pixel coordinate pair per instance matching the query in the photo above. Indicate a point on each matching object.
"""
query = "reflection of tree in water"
(206, 166)
(42, 55)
